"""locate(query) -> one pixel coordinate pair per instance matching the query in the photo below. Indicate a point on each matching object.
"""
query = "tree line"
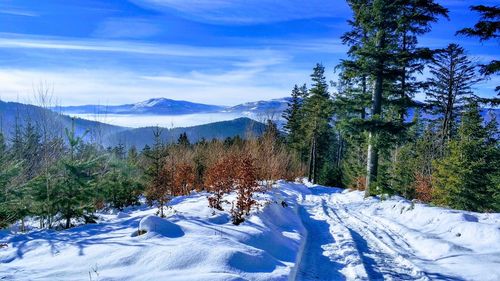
(62, 180)
(369, 133)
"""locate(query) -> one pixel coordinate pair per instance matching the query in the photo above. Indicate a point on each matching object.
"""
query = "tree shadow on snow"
(314, 265)
(80, 237)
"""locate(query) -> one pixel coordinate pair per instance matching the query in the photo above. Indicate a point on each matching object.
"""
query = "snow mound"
(156, 225)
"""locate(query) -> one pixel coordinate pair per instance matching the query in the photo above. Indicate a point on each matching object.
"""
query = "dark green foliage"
(487, 28)
(8, 196)
(121, 183)
(383, 52)
(450, 86)
(183, 140)
(467, 178)
(294, 116)
(317, 114)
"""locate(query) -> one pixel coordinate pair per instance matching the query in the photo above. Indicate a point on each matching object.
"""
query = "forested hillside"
(359, 135)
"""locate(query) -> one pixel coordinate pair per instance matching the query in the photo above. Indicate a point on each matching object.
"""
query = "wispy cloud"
(111, 87)
(126, 47)
(16, 12)
(250, 12)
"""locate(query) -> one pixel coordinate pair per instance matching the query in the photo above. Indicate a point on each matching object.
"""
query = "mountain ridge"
(165, 106)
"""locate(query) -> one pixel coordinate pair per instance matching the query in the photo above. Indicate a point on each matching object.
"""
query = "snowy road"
(320, 234)
(345, 243)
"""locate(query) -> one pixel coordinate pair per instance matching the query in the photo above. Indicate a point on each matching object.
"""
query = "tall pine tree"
(450, 86)
(318, 111)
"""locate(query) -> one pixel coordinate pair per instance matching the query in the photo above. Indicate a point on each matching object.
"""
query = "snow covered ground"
(323, 234)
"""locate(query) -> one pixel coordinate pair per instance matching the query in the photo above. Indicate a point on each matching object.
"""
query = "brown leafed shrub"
(423, 187)
(183, 179)
(359, 183)
(246, 185)
(219, 179)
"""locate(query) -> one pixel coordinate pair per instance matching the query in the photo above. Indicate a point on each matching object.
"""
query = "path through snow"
(323, 234)
(345, 240)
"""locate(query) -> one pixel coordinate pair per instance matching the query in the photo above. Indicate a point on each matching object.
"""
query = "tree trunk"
(372, 164)
(314, 162)
(372, 155)
(311, 161)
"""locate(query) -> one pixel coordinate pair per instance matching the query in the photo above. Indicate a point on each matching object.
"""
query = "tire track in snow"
(329, 251)
(345, 246)
(385, 254)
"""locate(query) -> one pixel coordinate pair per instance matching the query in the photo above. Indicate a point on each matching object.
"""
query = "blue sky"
(211, 51)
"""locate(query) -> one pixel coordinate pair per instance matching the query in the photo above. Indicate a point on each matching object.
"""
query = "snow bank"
(445, 241)
(299, 231)
(193, 242)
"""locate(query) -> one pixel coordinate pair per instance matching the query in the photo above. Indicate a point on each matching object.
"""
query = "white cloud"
(250, 11)
(16, 12)
(74, 86)
(13, 42)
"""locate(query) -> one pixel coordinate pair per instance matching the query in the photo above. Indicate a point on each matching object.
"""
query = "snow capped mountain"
(164, 106)
(151, 102)
(274, 105)
(154, 106)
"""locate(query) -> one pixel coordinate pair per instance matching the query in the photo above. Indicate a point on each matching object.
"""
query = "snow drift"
(319, 234)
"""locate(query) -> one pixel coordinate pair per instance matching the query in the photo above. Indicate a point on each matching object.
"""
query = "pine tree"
(293, 115)
(74, 185)
(414, 19)
(31, 151)
(374, 41)
(318, 111)
(8, 171)
(383, 58)
(487, 28)
(453, 75)
(158, 190)
(467, 178)
(121, 183)
(183, 140)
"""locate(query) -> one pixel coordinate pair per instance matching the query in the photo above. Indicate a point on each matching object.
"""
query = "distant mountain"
(156, 106)
(219, 130)
(109, 135)
(55, 123)
(163, 106)
(263, 107)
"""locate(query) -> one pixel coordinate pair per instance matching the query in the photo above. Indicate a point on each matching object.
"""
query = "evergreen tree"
(183, 140)
(75, 184)
(467, 178)
(488, 27)
(316, 121)
(453, 75)
(31, 151)
(293, 115)
(8, 171)
(414, 19)
(373, 44)
(383, 58)
(158, 190)
(120, 184)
